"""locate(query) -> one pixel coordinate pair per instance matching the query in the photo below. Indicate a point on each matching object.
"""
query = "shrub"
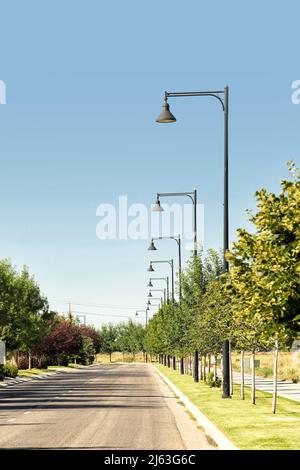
(10, 370)
(218, 382)
(1, 372)
(265, 371)
(211, 381)
(293, 375)
(23, 362)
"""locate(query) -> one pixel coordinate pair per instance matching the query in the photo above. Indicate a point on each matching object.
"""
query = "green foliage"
(24, 311)
(108, 339)
(88, 351)
(264, 282)
(10, 370)
(131, 338)
(211, 381)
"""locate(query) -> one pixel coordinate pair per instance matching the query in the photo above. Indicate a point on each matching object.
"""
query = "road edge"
(19, 379)
(210, 428)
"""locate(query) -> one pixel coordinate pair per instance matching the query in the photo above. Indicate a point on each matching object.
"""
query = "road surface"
(285, 388)
(109, 406)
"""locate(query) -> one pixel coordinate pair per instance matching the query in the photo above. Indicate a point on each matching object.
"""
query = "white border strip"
(211, 429)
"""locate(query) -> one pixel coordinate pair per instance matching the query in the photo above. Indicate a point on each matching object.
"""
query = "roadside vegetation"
(252, 428)
(255, 305)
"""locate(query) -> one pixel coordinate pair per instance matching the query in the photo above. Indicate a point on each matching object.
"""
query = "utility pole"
(70, 312)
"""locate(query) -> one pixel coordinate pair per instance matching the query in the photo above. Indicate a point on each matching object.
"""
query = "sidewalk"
(285, 388)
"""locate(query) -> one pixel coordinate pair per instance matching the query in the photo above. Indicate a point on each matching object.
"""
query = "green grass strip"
(248, 426)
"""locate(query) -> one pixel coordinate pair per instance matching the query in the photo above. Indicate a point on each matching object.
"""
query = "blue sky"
(85, 82)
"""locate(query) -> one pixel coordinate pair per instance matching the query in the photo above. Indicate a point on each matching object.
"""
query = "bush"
(211, 381)
(10, 370)
(218, 382)
(265, 371)
(293, 375)
(23, 362)
(1, 372)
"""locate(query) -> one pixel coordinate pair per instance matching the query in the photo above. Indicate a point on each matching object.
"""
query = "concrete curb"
(211, 429)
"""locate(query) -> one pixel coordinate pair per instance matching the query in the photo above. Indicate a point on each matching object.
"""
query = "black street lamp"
(159, 290)
(165, 117)
(157, 208)
(171, 263)
(166, 279)
(178, 241)
(143, 311)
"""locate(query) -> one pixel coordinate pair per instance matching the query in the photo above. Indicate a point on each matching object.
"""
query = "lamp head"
(157, 207)
(150, 269)
(150, 283)
(165, 115)
(152, 247)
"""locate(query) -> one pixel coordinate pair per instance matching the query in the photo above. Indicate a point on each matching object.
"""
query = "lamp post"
(143, 311)
(155, 298)
(166, 279)
(177, 239)
(159, 290)
(193, 196)
(165, 117)
(84, 318)
(171, 264)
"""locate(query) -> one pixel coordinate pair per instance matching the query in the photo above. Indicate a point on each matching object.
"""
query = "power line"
(118, 307)
(99, 314)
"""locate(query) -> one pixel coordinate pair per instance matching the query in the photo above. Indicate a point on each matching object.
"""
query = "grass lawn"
(247, 426)
(28, 373)
(33, 371)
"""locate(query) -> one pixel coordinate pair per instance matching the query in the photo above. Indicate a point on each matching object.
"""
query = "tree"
(108, 339)
(64, 342)
(265, 267)
(131, 338)
(93, 334)
(87, 352)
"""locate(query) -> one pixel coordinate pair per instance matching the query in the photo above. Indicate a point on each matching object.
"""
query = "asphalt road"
(109, 406)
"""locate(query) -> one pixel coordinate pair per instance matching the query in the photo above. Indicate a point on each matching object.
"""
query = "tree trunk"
(17, 358)
(209, 362)
(109, 357)
(253, 379)
(216, 366)
(204, 367)
(182, 365)
(174, 362)
(29, 359)
(274, 401)
(242, 376)
(231, 370)
(196, 366)
(201, 370)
